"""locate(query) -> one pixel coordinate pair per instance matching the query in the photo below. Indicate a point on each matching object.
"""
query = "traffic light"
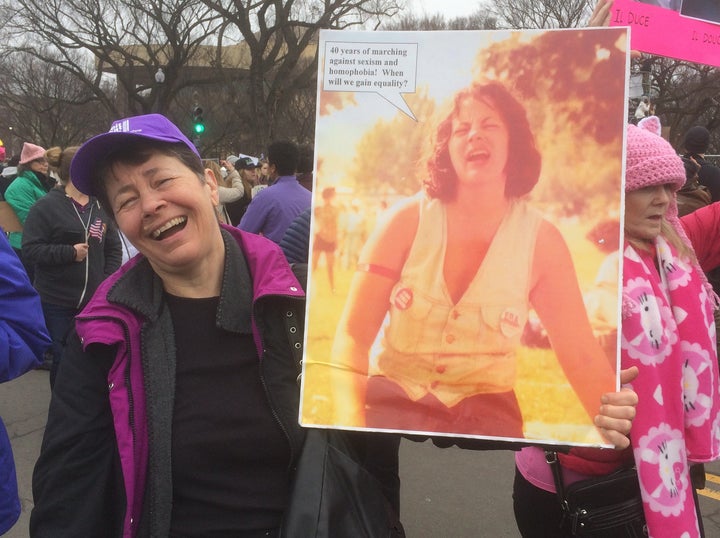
(198, 121)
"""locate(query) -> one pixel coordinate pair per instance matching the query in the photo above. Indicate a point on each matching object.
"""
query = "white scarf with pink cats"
(669, 334)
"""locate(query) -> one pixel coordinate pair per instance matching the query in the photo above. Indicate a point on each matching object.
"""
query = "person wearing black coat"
(696, 144)
(74, 245)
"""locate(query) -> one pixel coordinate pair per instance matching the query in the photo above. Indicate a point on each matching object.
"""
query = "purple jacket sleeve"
(702, 227)
(253, 220)
(23, 336)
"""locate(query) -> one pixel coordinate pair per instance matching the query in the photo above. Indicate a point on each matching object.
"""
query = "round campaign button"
(403, 299)
(510, 322)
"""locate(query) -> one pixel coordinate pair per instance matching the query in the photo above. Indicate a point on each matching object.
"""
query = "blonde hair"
(59, 160)
(671, 235)
(215, 167)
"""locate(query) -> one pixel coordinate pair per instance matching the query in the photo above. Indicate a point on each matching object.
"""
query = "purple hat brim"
(87, 159)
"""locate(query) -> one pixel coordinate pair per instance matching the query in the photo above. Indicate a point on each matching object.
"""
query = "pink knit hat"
(30, 152)
(651, 160)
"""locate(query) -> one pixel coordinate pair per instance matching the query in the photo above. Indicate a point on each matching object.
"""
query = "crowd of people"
(174, 366)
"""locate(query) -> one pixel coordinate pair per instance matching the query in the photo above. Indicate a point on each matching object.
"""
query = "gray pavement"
(451, 492)
(23, 407)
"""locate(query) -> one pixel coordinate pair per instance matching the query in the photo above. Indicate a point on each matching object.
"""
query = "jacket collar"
(141, 290)
(284, 179)
(35, 178)
(135, 291)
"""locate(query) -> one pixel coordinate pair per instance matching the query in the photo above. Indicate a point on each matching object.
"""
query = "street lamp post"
(11, 139)
(159, 80)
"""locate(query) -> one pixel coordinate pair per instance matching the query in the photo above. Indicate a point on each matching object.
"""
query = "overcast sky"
(449, 8)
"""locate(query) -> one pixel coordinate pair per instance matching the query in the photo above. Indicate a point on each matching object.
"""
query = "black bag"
(333, 496)
(608, 506)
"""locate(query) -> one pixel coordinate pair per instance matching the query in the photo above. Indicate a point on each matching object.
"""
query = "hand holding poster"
(484, 300)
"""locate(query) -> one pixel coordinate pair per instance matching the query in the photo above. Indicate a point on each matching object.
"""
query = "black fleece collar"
(141, 290)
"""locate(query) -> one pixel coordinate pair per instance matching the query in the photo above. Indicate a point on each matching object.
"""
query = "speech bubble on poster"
(388, 69)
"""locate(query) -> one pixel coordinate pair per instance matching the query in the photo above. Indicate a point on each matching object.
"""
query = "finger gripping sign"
(387, 69)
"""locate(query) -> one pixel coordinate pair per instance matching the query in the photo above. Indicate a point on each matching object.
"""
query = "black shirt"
(229, 455)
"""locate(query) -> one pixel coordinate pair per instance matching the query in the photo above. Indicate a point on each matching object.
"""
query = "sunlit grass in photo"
(549, 405)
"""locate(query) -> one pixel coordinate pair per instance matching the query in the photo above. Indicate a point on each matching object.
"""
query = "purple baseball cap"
(151, 126)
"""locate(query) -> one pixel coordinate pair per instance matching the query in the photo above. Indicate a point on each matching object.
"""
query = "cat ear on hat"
(652, 124)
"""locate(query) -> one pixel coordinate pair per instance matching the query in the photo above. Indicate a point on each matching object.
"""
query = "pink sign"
(665, 32)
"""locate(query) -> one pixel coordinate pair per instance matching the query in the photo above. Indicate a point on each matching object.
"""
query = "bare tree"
(123, 41)
(479, 20)
(685, 94)
(250, 62)
(527, 14)
(130, 38)
(44, 104)
(280, 38)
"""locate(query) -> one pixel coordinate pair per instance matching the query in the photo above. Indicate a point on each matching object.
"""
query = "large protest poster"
(464, 274)
(683, 29)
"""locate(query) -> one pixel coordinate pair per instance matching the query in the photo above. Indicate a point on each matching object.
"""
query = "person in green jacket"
(31, 184)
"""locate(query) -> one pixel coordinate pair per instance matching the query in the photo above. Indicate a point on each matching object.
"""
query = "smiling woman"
(166, 209)
(178, 389)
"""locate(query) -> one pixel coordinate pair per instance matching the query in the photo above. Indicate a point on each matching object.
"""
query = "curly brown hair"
(522, 172)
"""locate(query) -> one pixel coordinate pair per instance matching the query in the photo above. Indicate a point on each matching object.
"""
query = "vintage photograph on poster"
(464, 275)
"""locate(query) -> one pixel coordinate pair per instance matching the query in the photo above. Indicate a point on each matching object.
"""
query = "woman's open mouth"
(479, 156)
(169, 228)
